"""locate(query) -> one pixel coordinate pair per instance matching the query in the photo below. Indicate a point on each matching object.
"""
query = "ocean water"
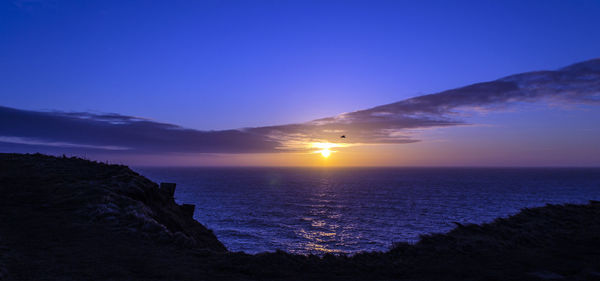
(332, 210)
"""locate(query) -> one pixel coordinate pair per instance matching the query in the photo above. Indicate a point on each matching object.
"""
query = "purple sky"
(144, 83)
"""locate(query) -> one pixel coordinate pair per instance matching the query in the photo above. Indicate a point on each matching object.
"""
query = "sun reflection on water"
(322, 231)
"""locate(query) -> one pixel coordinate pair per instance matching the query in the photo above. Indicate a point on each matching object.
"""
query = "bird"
(343, 137)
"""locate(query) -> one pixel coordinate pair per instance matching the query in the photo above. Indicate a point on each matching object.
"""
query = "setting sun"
(325, 148)
(325, 152)
(313, 140)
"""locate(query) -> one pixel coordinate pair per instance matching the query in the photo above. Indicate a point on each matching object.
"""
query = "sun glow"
(325, 152)
(325, 148)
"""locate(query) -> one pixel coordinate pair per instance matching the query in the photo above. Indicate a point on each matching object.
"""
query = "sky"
(278, 82)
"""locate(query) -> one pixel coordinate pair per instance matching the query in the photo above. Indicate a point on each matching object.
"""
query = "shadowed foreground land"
(72, 219)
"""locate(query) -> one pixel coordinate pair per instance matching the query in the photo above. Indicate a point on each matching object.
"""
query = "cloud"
(19, 140)
(102, 131)
(575, 84)
(386, 124)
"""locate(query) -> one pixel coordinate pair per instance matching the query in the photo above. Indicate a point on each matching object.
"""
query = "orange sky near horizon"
(492, 140)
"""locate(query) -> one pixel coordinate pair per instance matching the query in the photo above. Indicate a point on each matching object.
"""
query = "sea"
(350, 210)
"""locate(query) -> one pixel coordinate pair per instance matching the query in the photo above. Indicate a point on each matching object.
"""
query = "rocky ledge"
(74, 219)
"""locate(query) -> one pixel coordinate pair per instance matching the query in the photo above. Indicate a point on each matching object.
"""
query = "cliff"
(73, 219)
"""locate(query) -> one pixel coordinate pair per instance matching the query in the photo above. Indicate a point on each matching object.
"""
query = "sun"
(325, 152)
(324, 148)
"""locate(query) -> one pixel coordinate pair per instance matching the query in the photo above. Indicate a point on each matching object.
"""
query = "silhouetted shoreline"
(74, 219)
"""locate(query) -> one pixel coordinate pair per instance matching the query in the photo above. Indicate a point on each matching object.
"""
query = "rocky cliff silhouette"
(74, 219)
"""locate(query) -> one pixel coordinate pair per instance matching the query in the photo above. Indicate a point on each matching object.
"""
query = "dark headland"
(74, 219)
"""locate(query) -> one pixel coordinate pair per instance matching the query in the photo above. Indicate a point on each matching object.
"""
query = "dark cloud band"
(577, 84)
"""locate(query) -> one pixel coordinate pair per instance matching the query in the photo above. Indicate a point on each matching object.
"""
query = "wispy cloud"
(19, 140)
(386, 124)
(113, 130)
(576, 84)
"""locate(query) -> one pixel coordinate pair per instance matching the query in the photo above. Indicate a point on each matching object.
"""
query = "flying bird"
(343, 137)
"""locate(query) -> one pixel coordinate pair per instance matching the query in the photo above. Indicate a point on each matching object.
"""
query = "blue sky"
(219, 65)
(232, 64)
